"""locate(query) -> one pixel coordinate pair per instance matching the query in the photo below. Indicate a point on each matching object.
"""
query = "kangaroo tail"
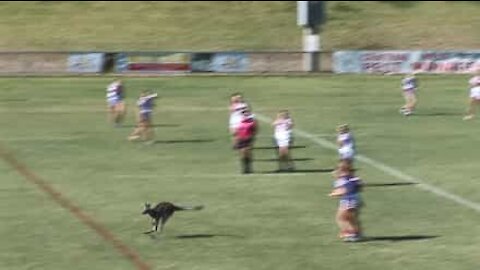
(182, 208)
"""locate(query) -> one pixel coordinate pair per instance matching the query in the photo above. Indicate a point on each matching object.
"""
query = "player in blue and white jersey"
(144, 129)
(115, 99)
(348, 187)
(409, 89)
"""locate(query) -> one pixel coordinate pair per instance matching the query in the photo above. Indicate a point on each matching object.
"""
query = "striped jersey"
(146, 103)
(238, 107)
(114, 91)
(409, 83)
(346, 140)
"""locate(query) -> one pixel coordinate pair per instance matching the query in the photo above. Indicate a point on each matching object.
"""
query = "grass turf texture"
(58, 128)
(234, 25)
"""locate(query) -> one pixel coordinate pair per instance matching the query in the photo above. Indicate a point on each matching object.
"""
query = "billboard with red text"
(406, 61)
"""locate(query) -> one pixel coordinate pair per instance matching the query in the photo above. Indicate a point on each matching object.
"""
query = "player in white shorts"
(474, 96)
(346, 144)
(283, 125)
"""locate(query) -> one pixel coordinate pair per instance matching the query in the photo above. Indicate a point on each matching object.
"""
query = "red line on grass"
(57, 196)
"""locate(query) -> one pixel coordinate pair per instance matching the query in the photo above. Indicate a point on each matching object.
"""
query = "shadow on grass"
(274, 147)
(389, 184)
(156, 125)
(398, 238)
(438, 114)
(299, 171)
(276, 159)
(184, 141)
(200, 236)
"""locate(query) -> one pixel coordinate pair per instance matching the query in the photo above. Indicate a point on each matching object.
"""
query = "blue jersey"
(115, 92)
(409, 83)
(146, 103)
(352, 186)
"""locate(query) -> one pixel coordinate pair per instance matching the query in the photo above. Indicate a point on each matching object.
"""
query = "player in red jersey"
(244, 139)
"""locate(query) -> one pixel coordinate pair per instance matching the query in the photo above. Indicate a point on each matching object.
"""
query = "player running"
(144, 129)
(115, 99)
(283, 125)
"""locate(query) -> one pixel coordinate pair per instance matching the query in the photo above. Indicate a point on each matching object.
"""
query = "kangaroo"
(162, 212)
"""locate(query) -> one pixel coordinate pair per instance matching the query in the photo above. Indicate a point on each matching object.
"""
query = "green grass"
(234, 25)
(58, 128)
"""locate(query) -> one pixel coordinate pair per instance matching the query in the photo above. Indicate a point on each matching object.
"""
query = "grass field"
(234, 25)
(57, 128)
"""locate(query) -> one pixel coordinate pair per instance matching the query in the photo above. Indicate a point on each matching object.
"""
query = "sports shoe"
(352, 238)
(133, 138)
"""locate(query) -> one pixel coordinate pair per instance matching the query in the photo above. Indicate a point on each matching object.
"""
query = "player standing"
(346, 143)
(409, 87)
(348, 187)
(283, 125)
(244, 139)
(237, 106)
(474, 96)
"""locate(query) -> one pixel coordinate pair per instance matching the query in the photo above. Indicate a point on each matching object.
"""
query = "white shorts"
(113, 101)
(346, 153)
(283, 140)
(475, 93)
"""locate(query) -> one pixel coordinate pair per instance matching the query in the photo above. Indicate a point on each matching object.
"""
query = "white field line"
(387, 169)
(319, 141)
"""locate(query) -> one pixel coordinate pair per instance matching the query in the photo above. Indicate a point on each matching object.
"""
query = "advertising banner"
(406, 61)
(230, 62)
(153, 62)
(86, 62)
(202, 62)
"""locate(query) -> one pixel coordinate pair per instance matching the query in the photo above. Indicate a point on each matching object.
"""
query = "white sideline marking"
(386, 169)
